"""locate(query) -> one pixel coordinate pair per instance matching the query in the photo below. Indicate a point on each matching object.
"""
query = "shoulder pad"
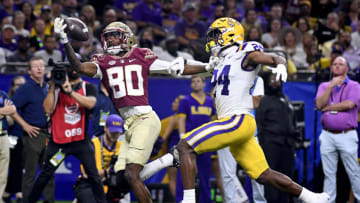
(251, 46)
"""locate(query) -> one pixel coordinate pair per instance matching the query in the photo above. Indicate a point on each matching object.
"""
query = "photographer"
(69, 105)
(106, 151)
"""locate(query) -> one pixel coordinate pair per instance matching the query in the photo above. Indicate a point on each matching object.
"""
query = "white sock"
(151, 168)
(306, 195)
(189, 196)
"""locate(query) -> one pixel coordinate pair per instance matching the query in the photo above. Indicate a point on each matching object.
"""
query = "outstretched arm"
(88, 69)
(269, 60)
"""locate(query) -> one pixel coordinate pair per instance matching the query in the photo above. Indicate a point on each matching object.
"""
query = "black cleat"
(176, 161)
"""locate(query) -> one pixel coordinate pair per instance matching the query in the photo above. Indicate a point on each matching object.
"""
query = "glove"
(59, 28)
(213, 62)
(280, 72)
(176, 67)
(157, 146)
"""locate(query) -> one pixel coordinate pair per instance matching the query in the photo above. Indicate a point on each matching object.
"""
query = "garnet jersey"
(126, 77)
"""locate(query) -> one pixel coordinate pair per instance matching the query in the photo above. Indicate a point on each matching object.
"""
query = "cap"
(45, 8)
(305, 2)
(337, 49)
(115, 123)
(8, 26)
(189, 6)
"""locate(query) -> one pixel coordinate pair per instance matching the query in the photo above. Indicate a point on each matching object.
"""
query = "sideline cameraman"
(106, 151)
(69, 107)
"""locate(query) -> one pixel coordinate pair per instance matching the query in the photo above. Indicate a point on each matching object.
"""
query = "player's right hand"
(59, 28)
(176, 67)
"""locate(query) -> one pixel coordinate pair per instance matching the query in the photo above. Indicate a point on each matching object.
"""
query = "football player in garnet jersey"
(124, 70)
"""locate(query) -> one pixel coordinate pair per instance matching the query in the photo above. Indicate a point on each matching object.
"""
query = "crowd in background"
(306, 32)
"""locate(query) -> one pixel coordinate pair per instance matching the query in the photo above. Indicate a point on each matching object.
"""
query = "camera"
(58, 73)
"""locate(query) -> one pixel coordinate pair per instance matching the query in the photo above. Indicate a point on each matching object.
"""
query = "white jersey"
(232, 82)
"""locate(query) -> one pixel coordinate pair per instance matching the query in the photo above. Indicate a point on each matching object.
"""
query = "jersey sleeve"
(258, 87)
(251, 46)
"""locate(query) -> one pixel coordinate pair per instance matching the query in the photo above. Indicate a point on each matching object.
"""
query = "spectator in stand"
(109, 16)
(7, 8)
(305, 11)
(253, 34)
(304, 26)
(19, 23)
(22, 54)
(7, 40)
(276, 11)
(29, 99)
(69, 8)
(6, 108)
(320, 9)
(327, 31)
(355, 38)
(171, 50)
(290, 42)
(206, 11)
(56, 9)
(15, 131)
(37, 40)
(352, 16)
(88, 16)
(90, 47)
(251, 20)
(190, 31)
(271, 38)
(127, 6)
(148, 13)
(45, 15)
(233, 10)
(351, 54)
(50, 51)
(28, 10)
(311, 48)
(169, 17)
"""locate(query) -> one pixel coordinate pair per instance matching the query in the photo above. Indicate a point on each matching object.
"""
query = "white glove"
(176, 67)
(280, 72)
(213, 62)
(59, 28)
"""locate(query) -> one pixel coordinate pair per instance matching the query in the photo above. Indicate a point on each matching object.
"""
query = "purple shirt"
(190, 32)
(349, 90)
(142, 12)
(197, 112)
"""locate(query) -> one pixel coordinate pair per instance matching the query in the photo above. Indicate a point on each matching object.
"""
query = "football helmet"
(223, 32)
(117, 37)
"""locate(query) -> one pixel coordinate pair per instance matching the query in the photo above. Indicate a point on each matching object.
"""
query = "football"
(76, 29)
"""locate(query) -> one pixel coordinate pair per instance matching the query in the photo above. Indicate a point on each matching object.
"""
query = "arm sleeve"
(159, 66)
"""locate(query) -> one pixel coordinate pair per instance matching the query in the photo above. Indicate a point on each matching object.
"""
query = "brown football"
(76, 29)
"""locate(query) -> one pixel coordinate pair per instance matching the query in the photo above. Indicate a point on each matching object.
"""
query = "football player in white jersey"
(233, 76)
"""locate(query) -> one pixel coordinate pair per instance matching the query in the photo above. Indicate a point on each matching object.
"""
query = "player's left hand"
(280, 71)
(59, 28)
(176, 67)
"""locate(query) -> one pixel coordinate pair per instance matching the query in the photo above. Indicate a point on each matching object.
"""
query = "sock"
(306, 195)
(151, 168)
(189, 196)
